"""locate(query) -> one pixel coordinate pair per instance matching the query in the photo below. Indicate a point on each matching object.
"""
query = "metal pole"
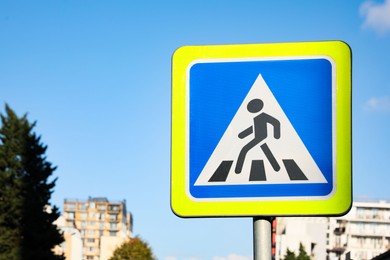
(262, 233)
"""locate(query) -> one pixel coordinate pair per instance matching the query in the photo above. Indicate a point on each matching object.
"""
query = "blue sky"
(96, 76)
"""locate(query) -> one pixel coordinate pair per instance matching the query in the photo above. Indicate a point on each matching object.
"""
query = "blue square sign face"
(295, 93)
(261, 129)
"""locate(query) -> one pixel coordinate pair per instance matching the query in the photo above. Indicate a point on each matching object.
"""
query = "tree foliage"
(290, 255)
(135, 249)
(26, 218)
(302, 253)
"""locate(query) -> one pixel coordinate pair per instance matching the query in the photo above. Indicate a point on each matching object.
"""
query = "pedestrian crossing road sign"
(261, 129)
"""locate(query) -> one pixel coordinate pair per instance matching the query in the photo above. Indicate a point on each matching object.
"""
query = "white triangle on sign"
(288, 147)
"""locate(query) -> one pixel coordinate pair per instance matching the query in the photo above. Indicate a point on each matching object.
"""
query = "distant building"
(363, 233)
(102, 226)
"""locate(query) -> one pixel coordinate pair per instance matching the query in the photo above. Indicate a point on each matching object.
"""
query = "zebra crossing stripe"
(257, 171)
(293, 171)
(222, 172)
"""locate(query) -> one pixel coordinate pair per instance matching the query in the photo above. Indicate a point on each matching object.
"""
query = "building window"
(102, 207)
(375, 213)
(113, 216)
(112, 233)
(114, 207)
(83, 215)
(70, 206)
(91, 205)
(113, 225)
(82, 224)
(91, 223)
(91, 240)
(91, 231)
(82, 206)
(360, 212)
(361, 241)
(71, 215)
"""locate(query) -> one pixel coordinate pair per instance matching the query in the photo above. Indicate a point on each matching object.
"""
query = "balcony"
(339, 250)
(339, 231)
(114, 208)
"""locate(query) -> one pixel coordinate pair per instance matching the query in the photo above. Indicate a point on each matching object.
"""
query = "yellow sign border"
(337, 204)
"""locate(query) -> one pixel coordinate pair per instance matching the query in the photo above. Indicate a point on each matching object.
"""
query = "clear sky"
(96, 76)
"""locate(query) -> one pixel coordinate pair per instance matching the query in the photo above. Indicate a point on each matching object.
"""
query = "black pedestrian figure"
(259, 130)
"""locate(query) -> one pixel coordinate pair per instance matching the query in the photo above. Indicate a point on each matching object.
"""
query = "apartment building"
(363, 233)
(103, 226)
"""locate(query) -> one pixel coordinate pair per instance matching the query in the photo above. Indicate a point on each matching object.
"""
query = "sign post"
(261, 130)
(262, 238)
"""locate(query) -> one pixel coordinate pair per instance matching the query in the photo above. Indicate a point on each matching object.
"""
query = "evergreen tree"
(135, 249)
(290, 255)
(26, 218)
(302, 253)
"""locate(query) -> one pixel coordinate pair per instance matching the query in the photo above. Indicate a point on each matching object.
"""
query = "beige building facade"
(71, 248)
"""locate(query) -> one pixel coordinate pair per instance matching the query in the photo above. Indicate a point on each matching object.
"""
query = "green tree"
(26, 218)
(302, 253)
(135, 249)
(290, 255)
